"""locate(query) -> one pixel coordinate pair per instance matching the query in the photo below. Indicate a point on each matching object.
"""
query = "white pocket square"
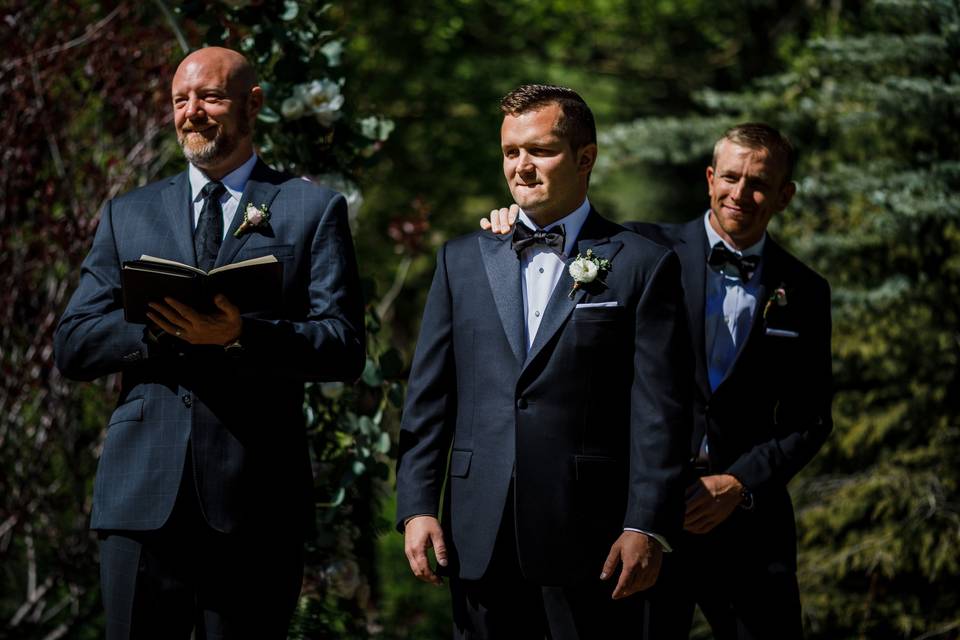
(782, 333)
(597, 305)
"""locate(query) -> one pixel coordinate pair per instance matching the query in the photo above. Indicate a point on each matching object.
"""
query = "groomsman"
(760, 329)
(547, 401)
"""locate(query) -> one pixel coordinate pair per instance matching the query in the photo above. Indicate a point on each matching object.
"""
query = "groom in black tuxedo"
(203, 493)
(547, 401)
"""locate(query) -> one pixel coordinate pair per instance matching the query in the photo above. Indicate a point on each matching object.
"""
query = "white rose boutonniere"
(586, 268)
(252, 217)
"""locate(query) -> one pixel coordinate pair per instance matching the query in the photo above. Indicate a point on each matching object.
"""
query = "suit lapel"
(593, 235)
(179, 212)
(503, 274)
(259, 190)
(692, 252)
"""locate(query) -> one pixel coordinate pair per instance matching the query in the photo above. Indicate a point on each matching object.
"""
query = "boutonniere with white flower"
(778, 298)
(253, 217)
(586, 268)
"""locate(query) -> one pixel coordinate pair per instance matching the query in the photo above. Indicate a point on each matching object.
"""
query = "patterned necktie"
(525, 237)
(741, 267)
(209, 233)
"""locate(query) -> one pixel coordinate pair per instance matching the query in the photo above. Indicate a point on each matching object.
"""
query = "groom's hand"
(419, 534)
(640, 555)
(501, 220)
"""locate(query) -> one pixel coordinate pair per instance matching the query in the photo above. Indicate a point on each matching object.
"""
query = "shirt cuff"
(663, 541)
(416, 515)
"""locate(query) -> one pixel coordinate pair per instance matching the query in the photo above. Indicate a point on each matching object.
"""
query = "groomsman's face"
(747, 187)
(546, 177)
(213, 110)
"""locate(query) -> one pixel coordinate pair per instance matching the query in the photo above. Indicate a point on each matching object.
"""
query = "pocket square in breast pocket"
(598, 305)
(782, 333)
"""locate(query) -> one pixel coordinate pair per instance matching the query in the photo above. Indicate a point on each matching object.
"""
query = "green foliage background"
(868, 90)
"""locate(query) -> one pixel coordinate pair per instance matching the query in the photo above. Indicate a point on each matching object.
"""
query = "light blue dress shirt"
(728, 316)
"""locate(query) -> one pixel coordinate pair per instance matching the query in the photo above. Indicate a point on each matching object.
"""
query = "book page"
(172, 263)
(245, 263)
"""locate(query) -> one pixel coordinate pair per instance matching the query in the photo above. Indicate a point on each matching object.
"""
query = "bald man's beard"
(202, 152)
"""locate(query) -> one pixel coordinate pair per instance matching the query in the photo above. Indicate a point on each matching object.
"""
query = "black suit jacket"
(242, 416)
(591, 425)
(772, 411)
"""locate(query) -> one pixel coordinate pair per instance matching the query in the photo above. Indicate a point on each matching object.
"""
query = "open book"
(252, 285)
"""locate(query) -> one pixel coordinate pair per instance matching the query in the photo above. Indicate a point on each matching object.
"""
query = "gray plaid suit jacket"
(242, 416)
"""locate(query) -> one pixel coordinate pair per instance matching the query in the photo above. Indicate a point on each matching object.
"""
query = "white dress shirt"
(542, 267)
(235, 182)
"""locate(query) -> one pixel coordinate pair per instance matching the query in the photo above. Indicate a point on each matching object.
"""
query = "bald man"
(203, 491)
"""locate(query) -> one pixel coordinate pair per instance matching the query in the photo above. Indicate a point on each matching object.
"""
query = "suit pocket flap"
(460, 463)
(279, 251)
(129, 410)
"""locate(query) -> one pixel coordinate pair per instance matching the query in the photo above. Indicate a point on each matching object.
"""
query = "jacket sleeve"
(92, 338)
(802, 419)
(661, 420)
(427, 426)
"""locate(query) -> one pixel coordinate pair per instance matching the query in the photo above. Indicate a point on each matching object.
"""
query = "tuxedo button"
(187, 400)
(521, 404)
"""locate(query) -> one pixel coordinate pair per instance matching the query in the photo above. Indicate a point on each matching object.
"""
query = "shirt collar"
(235, 181)
(756, 249)
(572, 223)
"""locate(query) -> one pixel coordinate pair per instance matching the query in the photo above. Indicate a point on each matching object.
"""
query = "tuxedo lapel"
(259, 191)
(769, 280)
(503, 274)
(692, 252)
(179, 213)
(594, 235)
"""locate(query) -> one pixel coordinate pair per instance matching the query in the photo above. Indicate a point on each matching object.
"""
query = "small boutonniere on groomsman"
(253, 217)
(586, 268)
(778, 298)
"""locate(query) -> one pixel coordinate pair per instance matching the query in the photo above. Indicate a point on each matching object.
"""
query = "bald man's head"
(216, 100)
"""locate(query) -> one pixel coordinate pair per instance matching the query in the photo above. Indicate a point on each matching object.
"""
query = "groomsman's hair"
(759, 135)
(576, 126)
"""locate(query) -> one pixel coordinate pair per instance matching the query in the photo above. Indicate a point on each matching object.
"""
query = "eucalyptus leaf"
(268, 115)
(371, 374)
(290, 10)
(367, 427)
(383, 443)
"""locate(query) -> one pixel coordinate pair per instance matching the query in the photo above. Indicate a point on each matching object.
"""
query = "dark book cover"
(252, 285)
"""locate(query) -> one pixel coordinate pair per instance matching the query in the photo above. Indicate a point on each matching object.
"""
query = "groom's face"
(546, 178)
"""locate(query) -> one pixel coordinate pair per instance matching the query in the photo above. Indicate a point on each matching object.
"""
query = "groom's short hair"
(576, 126)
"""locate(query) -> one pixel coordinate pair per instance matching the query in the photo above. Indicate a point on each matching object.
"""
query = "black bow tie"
(525, 237)
(742, 267)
